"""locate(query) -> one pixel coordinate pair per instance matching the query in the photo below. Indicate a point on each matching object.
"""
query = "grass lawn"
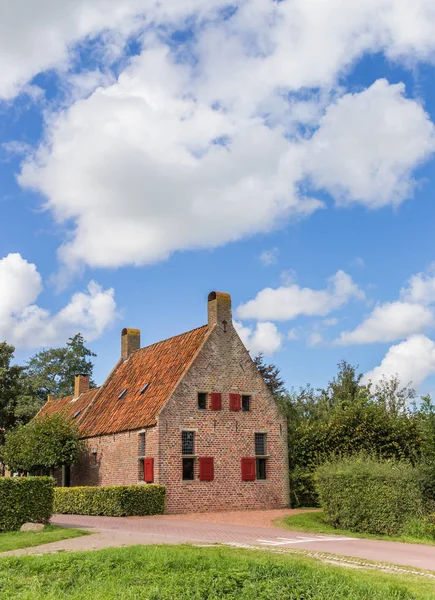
(24, 539)
(313, 522)
(187, 573)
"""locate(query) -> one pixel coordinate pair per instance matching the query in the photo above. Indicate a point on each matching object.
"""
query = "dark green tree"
(43, 444)
(271, 376)
(52, 371)
(12, 385)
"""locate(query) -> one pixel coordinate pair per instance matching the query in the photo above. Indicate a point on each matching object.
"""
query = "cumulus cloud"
(25, 324)
(264, 338)
(412, 360)
(198, 145)
(421, 288)
(290, 301)
(35, 37)
(389, 322)
(368, 144)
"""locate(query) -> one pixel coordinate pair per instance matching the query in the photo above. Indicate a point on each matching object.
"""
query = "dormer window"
(122, 394)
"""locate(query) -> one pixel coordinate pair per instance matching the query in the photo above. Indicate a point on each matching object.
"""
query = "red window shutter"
(248, 469)
(216, 401)
(148, 470)
(206, 468)
(235, 401)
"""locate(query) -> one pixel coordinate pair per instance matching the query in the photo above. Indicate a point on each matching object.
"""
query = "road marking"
(303, 540)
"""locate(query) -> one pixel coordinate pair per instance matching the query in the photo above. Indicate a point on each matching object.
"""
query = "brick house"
(191, 413)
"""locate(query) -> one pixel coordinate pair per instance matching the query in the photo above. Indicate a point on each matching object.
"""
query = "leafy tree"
(349, 417)
(52, 371)
(43, 444)
(11, 388)
(271, 376)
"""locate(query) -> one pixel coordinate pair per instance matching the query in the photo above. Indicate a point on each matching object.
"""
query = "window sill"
(189, 456)
(262, 456)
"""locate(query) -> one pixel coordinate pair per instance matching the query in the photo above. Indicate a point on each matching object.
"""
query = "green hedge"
(111, 501)
(25, 499)
(366, 495)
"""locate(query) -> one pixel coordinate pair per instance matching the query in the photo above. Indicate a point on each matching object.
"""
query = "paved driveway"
(237, 529)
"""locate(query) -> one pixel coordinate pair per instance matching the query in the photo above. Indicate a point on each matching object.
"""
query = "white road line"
(286, 541)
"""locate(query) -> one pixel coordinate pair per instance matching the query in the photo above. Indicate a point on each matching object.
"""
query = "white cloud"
(389, 322)
(25, 324)
(269, 257)
(288, 302)
(265, 45)
(420, 288)
(37, 36)
(265, 338)
(198, 151)
(368, 144)
(412, 360)
(293, 334)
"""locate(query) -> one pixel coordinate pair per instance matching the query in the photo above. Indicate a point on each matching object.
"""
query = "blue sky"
(283, 152)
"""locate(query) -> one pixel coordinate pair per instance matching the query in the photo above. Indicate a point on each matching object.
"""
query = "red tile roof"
(161, 365)
(69, 406)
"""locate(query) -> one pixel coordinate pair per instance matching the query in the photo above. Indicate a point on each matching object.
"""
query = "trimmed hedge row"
(111, 501)
(25, 499)
(366, 495)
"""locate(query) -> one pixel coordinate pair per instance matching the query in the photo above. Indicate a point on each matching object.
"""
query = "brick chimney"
(81, 385)
(130, 341)
(219, 310)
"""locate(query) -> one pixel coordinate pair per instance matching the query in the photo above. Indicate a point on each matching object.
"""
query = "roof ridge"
(169, 338)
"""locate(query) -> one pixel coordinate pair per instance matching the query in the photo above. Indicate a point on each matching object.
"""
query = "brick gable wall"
(223, 365)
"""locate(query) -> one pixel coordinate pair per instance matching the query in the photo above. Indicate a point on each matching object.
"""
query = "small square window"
(142, 444)
(246, 403)
(188, 469)
(260, 444)
(202, 400)
(188, 442)
(261, 468)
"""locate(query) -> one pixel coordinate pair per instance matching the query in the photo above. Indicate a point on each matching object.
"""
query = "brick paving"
(226, 528)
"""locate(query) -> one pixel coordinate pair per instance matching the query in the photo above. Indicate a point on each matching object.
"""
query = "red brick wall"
(223, 365)
(117, 459)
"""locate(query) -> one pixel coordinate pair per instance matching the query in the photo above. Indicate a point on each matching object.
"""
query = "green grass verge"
(187, 573)
(25, 539)
(313, 522)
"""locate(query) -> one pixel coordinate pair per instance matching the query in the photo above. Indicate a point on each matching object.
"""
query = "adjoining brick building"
(192, 413)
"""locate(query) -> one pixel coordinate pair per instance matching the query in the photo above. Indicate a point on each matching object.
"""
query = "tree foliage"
(52, 371)
(271, 376)
(12, 388)
(43, 444)
(349, 417)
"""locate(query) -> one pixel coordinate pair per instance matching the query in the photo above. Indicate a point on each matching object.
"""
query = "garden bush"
(23, 500)
(426, 478)
(367, 495)
(111, 501)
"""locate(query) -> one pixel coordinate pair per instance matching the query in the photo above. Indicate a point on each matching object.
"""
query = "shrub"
(25, 499)
(426, 478)
(302, 488)
(366, 495)
(111, 501)
(422, 528)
